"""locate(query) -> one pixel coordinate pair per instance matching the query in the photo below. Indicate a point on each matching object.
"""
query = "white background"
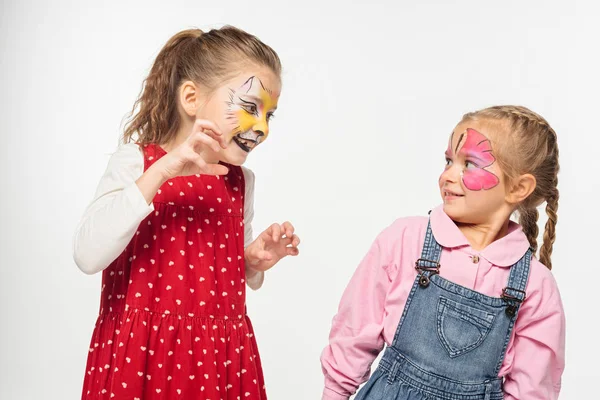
(371, 92)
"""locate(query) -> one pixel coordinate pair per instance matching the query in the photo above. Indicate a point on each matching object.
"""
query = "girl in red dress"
(170, 227)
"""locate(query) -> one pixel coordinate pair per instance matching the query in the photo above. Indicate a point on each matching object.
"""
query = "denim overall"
(451, 340)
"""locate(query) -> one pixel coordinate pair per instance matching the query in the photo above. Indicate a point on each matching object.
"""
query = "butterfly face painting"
(249, 109)
(474, 151)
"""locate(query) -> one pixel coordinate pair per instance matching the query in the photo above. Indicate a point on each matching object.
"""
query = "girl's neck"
(482, 235)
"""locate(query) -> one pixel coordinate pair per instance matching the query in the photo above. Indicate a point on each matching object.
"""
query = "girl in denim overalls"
(465, 309)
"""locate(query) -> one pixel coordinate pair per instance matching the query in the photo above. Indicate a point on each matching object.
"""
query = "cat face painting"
(242, 109)
(249, 109)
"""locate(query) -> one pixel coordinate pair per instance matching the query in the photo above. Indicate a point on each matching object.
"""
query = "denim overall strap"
(514, 295)
(429, 261)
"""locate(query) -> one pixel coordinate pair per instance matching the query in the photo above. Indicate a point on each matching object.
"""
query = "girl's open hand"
(275, 243)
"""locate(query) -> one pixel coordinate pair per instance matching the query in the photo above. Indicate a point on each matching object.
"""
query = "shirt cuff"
(329, 394)
(254, 279)
(139, 207)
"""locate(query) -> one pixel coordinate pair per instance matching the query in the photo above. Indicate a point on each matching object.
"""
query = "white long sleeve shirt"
(118, 207)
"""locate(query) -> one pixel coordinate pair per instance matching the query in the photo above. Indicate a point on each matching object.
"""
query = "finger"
(210, 129)
(285, 241)
(264, 255)
(199, 161)
(203, 124)
(215, 169)
(274, 232)
(204, 139)
(208, 169)
(292, 251)
(295, 241)
(288, 228)
(219, 138)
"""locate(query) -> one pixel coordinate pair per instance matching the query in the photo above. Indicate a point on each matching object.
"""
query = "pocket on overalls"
(461, 328)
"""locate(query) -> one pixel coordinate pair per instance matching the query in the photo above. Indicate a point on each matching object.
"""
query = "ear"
(189, 98)
(521, 188)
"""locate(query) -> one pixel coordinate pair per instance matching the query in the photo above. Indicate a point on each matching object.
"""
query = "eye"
(270, 116)
(250, 108)
(471, 165)
(448, 162)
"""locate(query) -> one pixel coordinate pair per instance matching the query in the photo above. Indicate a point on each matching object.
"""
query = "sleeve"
(539, 347)
(356, 336)
(254, 279)
(111, 219)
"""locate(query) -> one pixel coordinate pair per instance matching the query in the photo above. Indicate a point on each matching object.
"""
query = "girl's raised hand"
(186, 159)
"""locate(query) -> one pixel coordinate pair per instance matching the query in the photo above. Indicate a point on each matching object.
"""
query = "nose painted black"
(260, 136)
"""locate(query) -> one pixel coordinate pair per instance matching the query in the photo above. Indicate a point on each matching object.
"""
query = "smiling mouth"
(245, 144)
(448, 193)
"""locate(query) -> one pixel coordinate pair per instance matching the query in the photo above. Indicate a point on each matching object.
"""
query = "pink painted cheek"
(479, 179)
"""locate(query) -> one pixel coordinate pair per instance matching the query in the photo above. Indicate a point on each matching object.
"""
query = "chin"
(449, 210)
(456, 213)
(234, 155)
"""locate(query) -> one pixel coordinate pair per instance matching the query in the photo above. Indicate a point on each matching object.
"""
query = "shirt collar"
(503, 252)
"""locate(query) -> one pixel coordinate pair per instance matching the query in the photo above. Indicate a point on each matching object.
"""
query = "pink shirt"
(374, 300)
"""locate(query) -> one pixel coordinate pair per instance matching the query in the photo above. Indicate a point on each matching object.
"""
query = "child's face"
(472, 184)
(242, 109)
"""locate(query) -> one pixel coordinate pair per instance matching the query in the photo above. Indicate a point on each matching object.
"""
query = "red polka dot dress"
(173, 321)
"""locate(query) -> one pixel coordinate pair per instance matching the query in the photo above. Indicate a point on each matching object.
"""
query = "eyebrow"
(255, 98)
(462, 135)
(247, 102)
(476, 155)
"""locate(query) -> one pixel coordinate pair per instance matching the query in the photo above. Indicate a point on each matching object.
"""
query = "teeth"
(249, 144)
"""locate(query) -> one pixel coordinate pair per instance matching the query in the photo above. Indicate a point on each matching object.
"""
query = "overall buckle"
(433, 270)
(511, 308)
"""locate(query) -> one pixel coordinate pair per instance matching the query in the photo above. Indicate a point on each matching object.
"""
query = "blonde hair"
(208, 59)
(528, 146)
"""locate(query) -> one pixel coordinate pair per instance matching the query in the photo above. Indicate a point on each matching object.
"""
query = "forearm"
(150, 182)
